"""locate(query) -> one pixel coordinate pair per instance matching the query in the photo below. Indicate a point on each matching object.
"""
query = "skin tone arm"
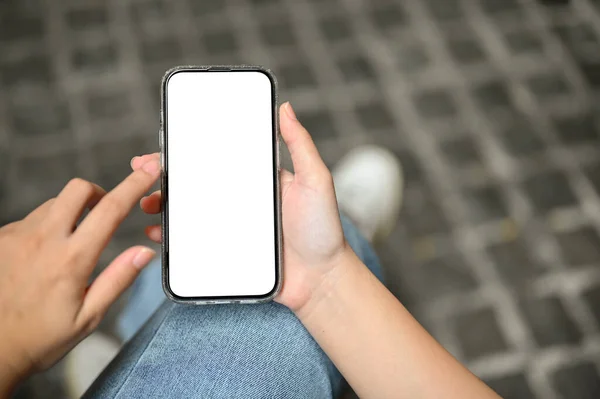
(46, 259)
(381, 350)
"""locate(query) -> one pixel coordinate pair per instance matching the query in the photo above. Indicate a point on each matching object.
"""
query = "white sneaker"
(86, 361)
(368, 184)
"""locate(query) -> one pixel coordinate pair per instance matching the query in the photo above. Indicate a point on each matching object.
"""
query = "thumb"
(307, 162)
(113, 281)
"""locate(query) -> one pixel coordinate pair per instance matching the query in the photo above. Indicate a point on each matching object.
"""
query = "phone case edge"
(279, 249)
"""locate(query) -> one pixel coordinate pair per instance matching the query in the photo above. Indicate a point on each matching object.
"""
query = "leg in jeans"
(221, 351)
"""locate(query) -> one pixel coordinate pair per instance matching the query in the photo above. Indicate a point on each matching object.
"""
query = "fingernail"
(131, 162)
(152, 167)
(143, 257)
(290, 111)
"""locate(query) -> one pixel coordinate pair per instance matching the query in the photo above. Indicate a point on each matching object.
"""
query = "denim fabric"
(218, 351)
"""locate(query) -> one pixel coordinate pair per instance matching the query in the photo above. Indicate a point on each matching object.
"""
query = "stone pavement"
(491, 105)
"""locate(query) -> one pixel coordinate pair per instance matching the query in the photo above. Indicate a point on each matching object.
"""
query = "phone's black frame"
(164, 145)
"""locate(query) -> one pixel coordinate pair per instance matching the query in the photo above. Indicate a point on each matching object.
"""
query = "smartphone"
(221, 215)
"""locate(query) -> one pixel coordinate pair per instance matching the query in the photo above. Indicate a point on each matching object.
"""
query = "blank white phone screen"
(220, 182)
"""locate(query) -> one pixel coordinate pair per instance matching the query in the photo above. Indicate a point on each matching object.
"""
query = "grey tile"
(109, 105)
(548, 85)
(262, 3)
(411, 167)
(21, 27)
(296, 75)
(579, 381)
(439, 277)
(549, 190)
(484, 204)
(479, 334)
(319, 123)
(496, 6)
(579, 40)
(206, 7)
(445, 10)
(519, 137)
(374, 115)
(335, 28)
(591, 72)
(219, 42)
(40, 119)
(388, 15)
(514, 263)
(412, 57)
(438, 103)
(167, 48)
(42, 177)
(555, 2)
(278, 34)
(356, 68)
(34, 69)
(592, 172)
(421, 212)
(592, 298)
(88, 17)
(466, 51)
(493, 95)
(523, 41)
(578, 129)
(512, 386)
(580, 247)
(461, 152)
(549, 321)
(149, 11)
(96, 58)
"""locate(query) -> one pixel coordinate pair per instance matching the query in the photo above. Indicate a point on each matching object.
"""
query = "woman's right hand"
(313, 239)
(47, 302)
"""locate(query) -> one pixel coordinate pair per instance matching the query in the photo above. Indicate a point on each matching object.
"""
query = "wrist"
(12, 371)
(324, 291)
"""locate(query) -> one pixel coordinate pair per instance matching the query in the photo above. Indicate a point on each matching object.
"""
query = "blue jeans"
(218, 351)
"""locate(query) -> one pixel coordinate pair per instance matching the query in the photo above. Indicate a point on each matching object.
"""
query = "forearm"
(379, 348)
(13, 369)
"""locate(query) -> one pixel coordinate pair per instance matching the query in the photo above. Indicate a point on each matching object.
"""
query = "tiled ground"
(490, 105)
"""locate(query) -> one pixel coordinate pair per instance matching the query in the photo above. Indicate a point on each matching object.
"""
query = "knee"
(256, 350)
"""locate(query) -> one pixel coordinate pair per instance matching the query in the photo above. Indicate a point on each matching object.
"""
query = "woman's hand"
(313, 240)
(46, 302)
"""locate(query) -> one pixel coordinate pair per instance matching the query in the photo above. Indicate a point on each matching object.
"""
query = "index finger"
(98, 227)
(137, 162)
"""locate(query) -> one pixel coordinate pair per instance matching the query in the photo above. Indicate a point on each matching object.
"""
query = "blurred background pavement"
(491, 105)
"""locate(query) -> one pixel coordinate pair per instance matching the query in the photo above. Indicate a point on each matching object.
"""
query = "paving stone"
(479, 334)
(319, 123)
(356, 68)
(592, 297)
(485, 204)
(435, 104)
(550, 322)
(439, 277)
(580, 247)
(578, 129)
(514, 262)
(461, 152)
(549, 190)
(577, 381)
(512, 386)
